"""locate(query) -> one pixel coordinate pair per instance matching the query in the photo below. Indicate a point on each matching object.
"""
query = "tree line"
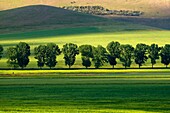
(18, 56)
(99, 10)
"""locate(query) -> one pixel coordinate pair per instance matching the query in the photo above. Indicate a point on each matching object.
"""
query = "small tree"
(11, 54)
(153, 52)
(23, 52)
(140, 54)
(1, 51)
(52, 50)
(86, 54)
(126, 55)
(114, 52)
(40, 54)
(165, 55)
(70, 51)
(99, 56)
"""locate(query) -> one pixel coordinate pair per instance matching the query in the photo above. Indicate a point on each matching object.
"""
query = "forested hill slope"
(151, 8)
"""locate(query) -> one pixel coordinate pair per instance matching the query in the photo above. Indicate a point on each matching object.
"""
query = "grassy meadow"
(100, 93)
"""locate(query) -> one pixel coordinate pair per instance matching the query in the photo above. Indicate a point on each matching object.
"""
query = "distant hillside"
(152, 8)
(161, 23)
(41, 17)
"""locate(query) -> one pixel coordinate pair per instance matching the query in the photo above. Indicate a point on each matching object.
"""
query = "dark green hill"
(43, 17)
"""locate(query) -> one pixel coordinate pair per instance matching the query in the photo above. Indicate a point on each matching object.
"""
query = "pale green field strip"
(67, 109)
(130, 37)
(99, 71)
(81, 81)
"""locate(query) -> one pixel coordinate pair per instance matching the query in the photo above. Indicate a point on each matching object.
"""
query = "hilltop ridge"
(152, 8)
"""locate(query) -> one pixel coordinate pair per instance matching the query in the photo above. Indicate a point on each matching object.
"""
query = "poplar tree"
(153, 53)
(165, 55)
(126, 55)
(52, 50)
(114, 52)
(140, 54)
(70, 51)
(86, 55)
(23, 53)
(99, 56)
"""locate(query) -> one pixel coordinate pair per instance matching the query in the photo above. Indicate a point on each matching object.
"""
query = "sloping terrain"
(152, 8)
(43, 17)
(162, 23)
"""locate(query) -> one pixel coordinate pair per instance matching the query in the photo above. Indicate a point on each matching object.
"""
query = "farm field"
(100, 93)
(80, 90)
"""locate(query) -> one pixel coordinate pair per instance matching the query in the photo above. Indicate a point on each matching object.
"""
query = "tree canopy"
(114, 52)
(12, 54)
(40, 55)
(140, 54)
(153, 53)
(99, 56)
(126, 55)
(52, 50)
(70, 51)
(1, 51)
(165, 55)
(23, 52)
(86, 54)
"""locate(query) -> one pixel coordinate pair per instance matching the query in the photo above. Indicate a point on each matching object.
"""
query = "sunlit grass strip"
(75, 110)
(84, 71)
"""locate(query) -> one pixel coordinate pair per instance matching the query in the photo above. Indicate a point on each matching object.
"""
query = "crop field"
(93, 93)
(80, 90)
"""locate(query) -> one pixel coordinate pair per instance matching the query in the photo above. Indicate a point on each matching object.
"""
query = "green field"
(105, 93)
(94, 35)
(79, 90)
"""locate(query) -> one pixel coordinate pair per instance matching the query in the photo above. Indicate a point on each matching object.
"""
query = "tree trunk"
(113, 67)
(139, 66)
(69, 66)
(152, 66)
(166, 66)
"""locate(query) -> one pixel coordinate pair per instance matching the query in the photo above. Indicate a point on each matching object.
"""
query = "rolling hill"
(151, 8)
(43, 17)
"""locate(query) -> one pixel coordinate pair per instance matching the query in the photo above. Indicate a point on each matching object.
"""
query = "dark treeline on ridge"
(46, 55)
(99, 10)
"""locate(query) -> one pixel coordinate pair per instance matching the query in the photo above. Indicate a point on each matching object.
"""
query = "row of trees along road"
(18, 56)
